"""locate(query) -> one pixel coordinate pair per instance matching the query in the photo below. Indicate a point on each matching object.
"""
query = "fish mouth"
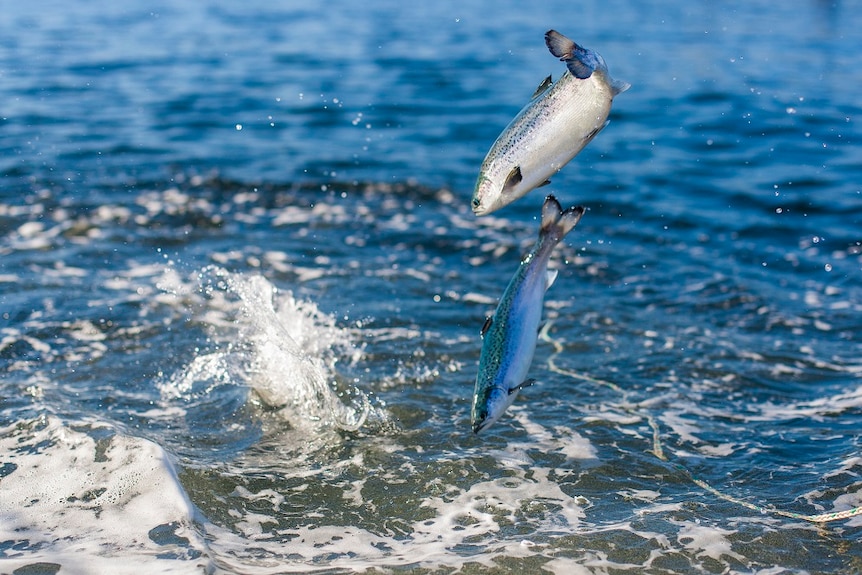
(479, 202)
(476, 205)
(481, 208)
(484, 424)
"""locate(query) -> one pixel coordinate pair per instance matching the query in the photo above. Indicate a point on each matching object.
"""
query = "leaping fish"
(509, 336)
(560, 119)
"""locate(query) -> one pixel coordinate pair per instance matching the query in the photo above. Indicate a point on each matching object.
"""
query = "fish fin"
(486, 326)
(595, 132)
(513, 179)
(542, 87)
(559, 45)
(580, 61)
(618, 86)
(550, 277)
(551, 211)
(522, 385)
(545, 183)
(579, 69)
(557, 222)
(544, 328)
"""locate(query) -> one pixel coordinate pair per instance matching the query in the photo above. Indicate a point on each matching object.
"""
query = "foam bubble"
(474, 524)
(90, 499)
(706, 541)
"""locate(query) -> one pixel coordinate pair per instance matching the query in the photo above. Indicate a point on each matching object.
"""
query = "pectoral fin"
(513, 179)
(550, 276)
(522, 385)
(486, 326)
(595, 132)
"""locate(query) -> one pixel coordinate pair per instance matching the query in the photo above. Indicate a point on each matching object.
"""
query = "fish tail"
(556, 222)
(580, 61)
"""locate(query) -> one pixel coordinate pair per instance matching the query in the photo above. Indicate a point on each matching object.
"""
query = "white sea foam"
(705, 541)
(464, 526)
(91, 500)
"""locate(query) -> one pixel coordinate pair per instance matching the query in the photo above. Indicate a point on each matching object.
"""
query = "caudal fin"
(556, 222)
(580, 61)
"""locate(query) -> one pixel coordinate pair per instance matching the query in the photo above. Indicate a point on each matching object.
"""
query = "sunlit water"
(242, 289)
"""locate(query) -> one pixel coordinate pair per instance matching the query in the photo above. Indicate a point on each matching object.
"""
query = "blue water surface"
(236, 251)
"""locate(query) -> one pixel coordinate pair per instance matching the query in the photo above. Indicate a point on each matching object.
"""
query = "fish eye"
(476, 202)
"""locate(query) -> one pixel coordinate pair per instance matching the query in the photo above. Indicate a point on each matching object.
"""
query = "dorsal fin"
(542, 87)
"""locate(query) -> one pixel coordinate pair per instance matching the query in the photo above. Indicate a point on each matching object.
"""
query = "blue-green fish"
(560, 119)
(509, 336)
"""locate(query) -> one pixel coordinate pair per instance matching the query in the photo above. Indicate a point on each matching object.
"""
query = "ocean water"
(241, 291)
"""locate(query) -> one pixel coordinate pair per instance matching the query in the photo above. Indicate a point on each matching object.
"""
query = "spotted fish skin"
(509, 336)
(560, 119)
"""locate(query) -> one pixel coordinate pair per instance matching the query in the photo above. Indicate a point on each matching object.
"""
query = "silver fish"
(509, 336)
(560, 119)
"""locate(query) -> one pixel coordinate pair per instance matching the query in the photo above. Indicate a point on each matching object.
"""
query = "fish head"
(488, 409)
(497, 186)
(486, 196)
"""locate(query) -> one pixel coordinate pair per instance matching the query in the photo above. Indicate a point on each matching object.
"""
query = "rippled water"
(241, 291)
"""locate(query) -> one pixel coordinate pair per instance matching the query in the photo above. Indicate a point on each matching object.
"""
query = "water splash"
(283, 348)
